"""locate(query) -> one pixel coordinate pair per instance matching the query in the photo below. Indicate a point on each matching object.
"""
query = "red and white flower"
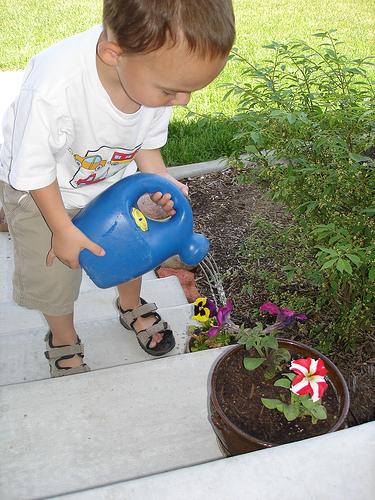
(310, 377)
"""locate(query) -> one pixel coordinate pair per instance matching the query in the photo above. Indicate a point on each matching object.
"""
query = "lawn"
(28, 26)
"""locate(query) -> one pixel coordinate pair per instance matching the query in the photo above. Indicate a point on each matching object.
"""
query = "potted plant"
(214, 327)
(268, 391)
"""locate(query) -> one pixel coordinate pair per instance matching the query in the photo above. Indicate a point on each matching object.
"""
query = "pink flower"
(285, 317)
(310, 377)
(223, 320)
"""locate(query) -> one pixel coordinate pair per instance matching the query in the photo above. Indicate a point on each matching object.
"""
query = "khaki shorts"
(51, 290)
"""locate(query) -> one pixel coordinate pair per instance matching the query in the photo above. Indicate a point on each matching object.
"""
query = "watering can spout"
(134, 244)
(195, 251)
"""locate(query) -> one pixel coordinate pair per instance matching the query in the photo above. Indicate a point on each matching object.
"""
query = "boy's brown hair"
(142, 26)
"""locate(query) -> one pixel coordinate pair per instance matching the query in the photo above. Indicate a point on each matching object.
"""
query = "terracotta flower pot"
(234, 441)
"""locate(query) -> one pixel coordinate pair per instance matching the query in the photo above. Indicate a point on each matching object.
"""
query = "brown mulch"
(224, 212)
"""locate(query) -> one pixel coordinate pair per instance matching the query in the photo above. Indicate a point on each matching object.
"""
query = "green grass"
(28, 26)
(259, 22)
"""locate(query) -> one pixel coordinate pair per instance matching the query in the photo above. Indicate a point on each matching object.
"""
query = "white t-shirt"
(63, 125)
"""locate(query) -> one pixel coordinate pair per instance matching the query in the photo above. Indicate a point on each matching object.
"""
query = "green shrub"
(308, 118)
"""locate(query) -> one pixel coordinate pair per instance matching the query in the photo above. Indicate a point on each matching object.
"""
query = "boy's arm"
(150, 161)
(67, 239)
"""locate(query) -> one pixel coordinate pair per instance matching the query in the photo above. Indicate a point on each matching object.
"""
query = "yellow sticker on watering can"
(140, 219)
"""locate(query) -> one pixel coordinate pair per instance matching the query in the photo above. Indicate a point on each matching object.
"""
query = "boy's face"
(167, 76)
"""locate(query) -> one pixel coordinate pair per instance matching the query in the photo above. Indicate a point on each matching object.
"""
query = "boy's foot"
(131, 319)
(65, 359)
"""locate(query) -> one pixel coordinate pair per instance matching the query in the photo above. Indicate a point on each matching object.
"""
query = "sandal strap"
(54, 353)
(159, 327)
(131, 315)
(61, 372)
(66, 350)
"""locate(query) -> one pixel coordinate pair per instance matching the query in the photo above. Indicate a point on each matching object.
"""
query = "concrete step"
(107, 343)
(108, 426)
(334, 471)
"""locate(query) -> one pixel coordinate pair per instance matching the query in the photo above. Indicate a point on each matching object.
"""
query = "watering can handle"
(151, 183)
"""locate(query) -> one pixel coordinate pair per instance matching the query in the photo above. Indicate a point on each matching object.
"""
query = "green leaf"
(287, 268)
(354, 71)
(329, 263)
(256, 136)
(283, 382)
(356, 157)
(270, 371)
(307, 403)
(343, 265)
(289, 276)
(270, 342)
(291, 412)
(335, 238)
(251, 149)
(355, 259)
(331, 252)
(283, 353)
(321, 35)
(332, 122)
(249, 343)
(371, 274)
(270, 403)
(319, 412)
(252, 363)
(311, 206)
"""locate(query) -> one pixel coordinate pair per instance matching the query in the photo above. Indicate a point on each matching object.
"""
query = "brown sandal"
(56, 354)
(144, 337)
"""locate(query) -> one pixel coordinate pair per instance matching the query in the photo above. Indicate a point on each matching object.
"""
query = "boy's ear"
(109, 52)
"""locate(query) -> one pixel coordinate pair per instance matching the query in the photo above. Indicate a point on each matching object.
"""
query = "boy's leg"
(129, 297)
(51, 290)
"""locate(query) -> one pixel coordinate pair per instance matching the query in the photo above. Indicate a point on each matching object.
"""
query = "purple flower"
(285, 317)
(223, 320)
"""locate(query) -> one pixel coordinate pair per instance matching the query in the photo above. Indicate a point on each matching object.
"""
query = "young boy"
(92, 109)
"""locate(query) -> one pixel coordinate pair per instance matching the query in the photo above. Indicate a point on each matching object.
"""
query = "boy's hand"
(67, 239)
(164, 201)
(67, 245)
(150, 161)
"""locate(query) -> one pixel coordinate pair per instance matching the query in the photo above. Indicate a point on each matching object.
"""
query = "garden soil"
(224, 211)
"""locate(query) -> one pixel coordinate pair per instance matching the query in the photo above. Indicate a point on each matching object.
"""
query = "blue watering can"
(133, 243)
